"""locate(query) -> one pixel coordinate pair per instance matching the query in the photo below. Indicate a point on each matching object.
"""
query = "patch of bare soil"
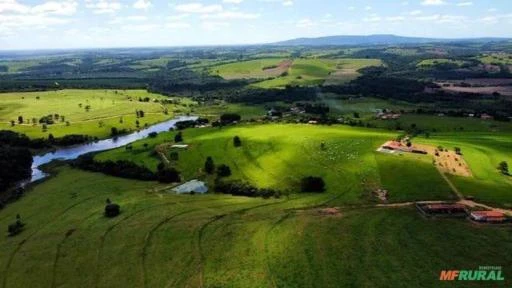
(330, 211)
(281, 68)
(341, 76)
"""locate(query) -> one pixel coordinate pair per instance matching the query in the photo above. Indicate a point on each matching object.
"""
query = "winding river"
(73, 152)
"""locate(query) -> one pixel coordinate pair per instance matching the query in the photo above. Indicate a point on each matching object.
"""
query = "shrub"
(209, 166)
(503, 167)
(16, 227)
(179, 137)
(152, 135)
(237, 142)
(223, 170)
(112, 209)
(239, 188)
(174, 156)
(168, 175)
(312, 184)
(228, 118)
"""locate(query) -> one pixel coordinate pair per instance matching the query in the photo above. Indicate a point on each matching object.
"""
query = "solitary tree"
(13, 123)
(51, 139)
(112, 209)
(20, 119)
(209, 166)
(503, 167)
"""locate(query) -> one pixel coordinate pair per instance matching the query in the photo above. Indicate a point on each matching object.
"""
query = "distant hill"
(378, 39)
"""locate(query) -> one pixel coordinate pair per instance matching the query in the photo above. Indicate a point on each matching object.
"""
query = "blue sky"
(35, 24)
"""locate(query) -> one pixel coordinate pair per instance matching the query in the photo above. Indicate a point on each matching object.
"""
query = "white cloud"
(178, 17)
(493, 19)
(142, 4)
(13, 6)
(372, 18)
(176, 25)
(15, 16)
(288, 3)
(463, 4)
(231, 15)
(351, 8)
(395, 19)
(433, 2)
(198, 8)
(67, 8)
(415, 12)
(368, 8)
(103, 6)
(443, 18)
(305, 23)
(232, 1)
(127, 19)
(214, 25)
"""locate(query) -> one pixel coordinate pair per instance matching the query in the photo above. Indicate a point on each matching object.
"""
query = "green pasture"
(278, 156)
(108, 108)
(165, 240)
(483, 152)
(445, 124)
(496, 58)
(439, 61)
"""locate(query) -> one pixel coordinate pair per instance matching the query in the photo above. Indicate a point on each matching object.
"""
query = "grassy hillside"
(107, 108)
(269, 158)
(164, 240)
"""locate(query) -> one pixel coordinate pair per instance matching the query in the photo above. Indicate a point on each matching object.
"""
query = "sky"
(41, 24)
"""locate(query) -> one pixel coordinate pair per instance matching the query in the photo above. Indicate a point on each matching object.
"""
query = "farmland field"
(299, 71)
(108, 108)
(261, 68)
(225, 241)
(483, 153)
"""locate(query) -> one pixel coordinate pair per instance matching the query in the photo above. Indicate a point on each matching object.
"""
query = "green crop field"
(270, 159)
(164, 240)
(302, 71)
(107, 108)
(317, 71)
(247, 69)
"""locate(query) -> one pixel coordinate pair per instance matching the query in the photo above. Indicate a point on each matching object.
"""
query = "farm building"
(180, 146)
(393, 145)
(488, 216)
(431, 209)
(399, 146)
(195, 186)
(444, 208)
